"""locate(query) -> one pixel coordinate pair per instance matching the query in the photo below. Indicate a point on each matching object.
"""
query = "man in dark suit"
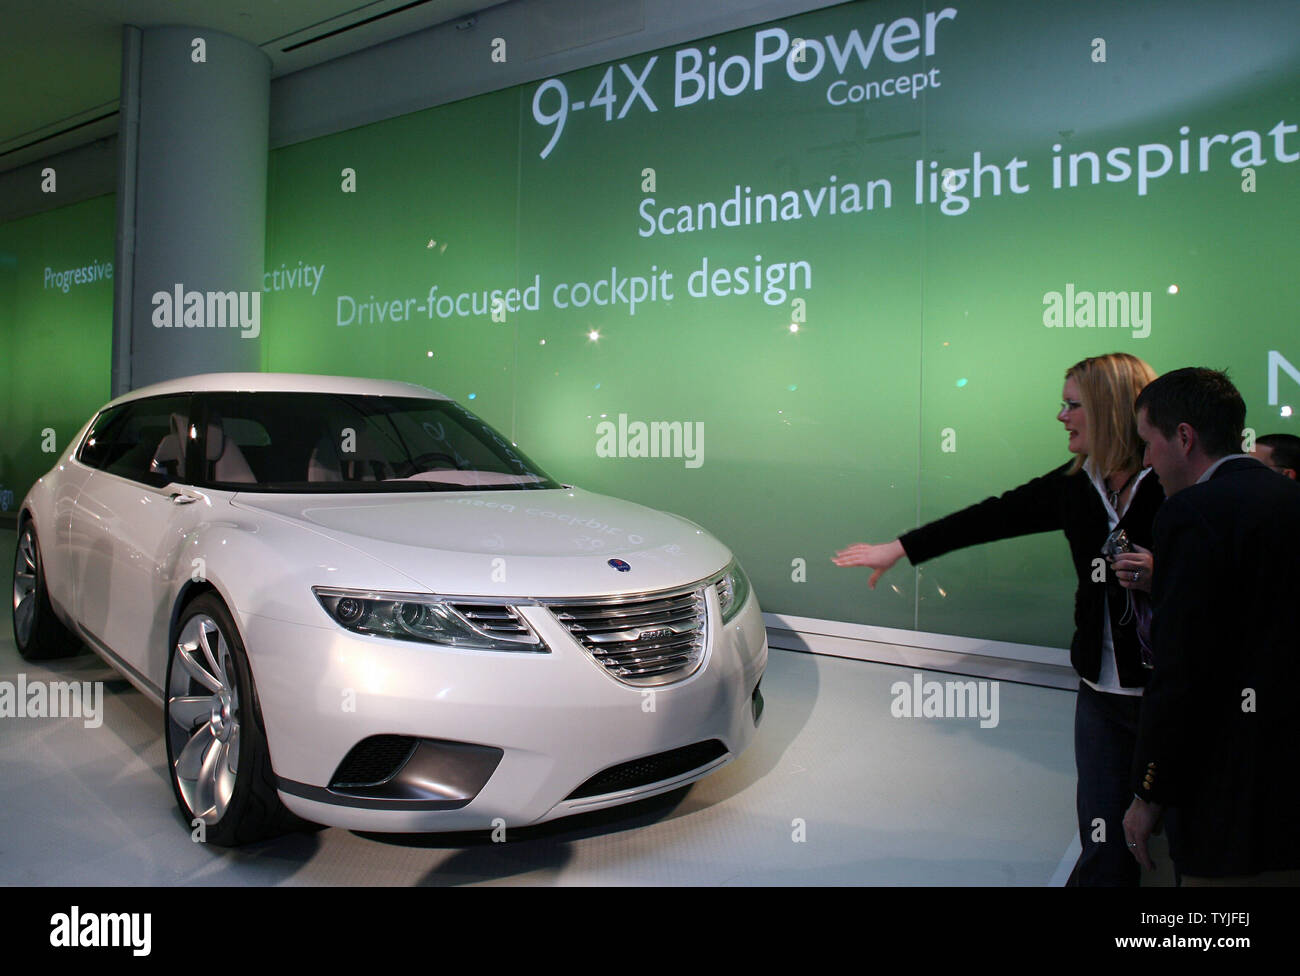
(1219, 737)
(1281, 452)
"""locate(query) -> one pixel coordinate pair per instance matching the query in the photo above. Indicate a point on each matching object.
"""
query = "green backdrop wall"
(919, 318)
(56, 335)
(921, 375)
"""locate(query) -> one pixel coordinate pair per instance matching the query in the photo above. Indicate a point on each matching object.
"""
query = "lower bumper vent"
(650, 769)
(383, 770)
(372, 761)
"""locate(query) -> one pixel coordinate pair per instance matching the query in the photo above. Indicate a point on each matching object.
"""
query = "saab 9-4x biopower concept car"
(361, 606)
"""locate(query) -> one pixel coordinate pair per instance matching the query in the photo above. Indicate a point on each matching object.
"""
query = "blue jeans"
(1105, 735)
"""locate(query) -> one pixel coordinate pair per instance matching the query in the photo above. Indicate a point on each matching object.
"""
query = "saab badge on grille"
(621, 566)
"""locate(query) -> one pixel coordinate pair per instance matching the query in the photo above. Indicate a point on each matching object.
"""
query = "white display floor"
(834, 791)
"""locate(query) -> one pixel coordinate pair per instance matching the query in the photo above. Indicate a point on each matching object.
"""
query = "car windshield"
(325, 442)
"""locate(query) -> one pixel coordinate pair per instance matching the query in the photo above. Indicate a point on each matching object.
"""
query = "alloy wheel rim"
(25, 587)
(203, 719)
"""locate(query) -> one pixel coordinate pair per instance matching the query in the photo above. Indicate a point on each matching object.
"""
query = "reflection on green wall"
(922, 319)
(56, 331)
(894, 367)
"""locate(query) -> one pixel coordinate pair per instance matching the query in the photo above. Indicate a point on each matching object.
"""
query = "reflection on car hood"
(518, 543)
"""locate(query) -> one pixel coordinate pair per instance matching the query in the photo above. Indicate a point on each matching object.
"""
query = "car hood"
(512, 543)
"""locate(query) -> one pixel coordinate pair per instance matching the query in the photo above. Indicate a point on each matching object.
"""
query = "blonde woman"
(1102, 488)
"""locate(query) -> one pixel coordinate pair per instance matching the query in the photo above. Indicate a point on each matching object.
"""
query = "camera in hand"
(1116, 543)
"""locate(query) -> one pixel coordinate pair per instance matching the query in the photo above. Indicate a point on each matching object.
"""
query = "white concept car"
(359, 605)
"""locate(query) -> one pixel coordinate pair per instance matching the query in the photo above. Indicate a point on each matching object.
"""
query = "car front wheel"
(216, 741)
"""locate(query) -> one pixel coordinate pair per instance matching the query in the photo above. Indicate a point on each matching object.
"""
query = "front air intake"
(645, 640)
(650, 769)
(427, 773)
(372, 761)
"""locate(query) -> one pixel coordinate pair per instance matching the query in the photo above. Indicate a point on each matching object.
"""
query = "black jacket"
(1220, 724)
(1068, 502)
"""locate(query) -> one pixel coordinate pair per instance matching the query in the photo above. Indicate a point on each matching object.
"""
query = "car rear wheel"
(219, 763)
(39, 634)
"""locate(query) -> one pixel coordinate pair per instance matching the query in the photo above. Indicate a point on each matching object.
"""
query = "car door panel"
(130, 535)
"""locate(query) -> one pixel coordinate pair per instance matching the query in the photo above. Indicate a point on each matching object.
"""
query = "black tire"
(244, 806)
(38, 632)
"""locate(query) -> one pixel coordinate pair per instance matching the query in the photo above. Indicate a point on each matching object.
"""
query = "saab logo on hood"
(621, 566)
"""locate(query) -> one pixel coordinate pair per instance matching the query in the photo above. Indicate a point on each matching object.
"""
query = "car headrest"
(216, 440)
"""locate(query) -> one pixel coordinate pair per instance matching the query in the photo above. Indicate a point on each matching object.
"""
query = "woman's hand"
(1134, 569)
(879, 558)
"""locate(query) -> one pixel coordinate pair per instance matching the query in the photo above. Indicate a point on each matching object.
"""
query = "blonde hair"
(1108, 387)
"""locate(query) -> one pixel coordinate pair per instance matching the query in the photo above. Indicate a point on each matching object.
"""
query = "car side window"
(147, 442)
(99, 440)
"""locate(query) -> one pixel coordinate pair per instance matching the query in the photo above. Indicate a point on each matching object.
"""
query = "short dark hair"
(1286, 450)
(1204, 399)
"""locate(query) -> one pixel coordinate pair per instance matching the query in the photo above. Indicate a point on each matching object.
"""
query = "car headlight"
(411, 616)
(733, 590)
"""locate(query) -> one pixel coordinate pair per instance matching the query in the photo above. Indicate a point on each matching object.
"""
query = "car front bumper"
(558, 719)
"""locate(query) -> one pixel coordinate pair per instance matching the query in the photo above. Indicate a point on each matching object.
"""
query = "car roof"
(280, 383)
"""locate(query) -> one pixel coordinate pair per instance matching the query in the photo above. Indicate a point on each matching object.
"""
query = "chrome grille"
(497, 620)
(650, 639)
